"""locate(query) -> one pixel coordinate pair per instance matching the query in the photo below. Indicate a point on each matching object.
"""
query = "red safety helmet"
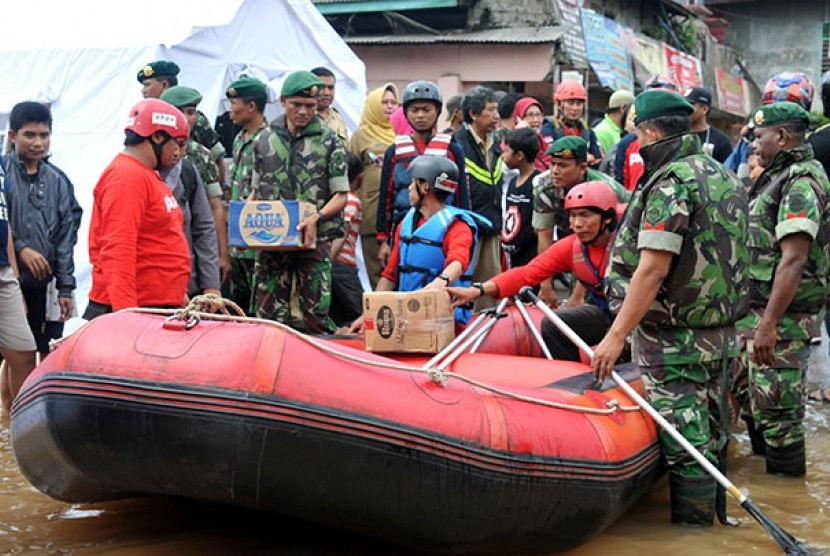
(570, 90)
(151, 115)
(789, 86)
(592, 194)
(663, 82)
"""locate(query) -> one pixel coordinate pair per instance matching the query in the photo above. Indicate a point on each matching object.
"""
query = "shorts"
(14, 328)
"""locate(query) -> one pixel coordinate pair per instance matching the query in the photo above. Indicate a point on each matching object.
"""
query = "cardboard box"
(411, 322)
(267, 225)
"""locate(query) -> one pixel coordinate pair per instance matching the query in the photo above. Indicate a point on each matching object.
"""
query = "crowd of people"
(704, 264)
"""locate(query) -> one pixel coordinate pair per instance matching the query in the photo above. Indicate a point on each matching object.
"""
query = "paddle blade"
(786, 541)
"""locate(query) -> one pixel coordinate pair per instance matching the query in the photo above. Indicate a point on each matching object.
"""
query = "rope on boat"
(191, 314)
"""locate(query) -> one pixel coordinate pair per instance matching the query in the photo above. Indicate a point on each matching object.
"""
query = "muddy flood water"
(32, 523)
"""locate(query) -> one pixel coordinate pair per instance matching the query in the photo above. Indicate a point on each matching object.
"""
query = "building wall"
(512, 12)
(455, 67)
(776, 36)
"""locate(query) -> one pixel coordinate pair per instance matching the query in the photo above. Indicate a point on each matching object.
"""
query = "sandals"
(821, 395)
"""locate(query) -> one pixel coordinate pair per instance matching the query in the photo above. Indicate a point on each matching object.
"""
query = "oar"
(496, 313)
(471, 339)
(784, 539)
(530, 326)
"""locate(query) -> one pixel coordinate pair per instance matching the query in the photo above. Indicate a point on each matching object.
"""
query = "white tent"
(82, 57)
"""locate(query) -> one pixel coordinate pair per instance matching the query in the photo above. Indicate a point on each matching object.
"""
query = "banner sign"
(682, 68)
(731, 93)
(605, 41)
(574, 41)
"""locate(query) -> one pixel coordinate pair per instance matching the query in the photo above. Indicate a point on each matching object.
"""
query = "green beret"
(159, 68)
(180, 96)
(569, 147)
(301, 84)
(246, 87)
(779, 113)
(656, 103)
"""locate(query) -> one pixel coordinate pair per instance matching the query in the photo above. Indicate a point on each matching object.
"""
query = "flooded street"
(32, 523)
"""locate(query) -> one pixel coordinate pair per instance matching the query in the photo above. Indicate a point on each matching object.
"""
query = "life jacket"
(405, 153)
(590, 276)
(584, 130)
(422, 251)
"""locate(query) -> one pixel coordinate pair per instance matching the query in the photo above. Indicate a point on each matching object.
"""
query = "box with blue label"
(267, 225)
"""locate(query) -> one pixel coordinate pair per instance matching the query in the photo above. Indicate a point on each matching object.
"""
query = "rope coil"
(190, 314)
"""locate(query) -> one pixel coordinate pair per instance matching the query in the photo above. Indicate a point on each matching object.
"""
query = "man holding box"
(299, 158)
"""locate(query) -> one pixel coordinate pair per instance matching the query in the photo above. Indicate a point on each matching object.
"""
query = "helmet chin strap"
(158, 148)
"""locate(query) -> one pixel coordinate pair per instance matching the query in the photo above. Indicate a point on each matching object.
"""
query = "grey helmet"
(439, 172)
(422, 90)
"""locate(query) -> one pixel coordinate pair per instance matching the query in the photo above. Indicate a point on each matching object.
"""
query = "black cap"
(698, 94)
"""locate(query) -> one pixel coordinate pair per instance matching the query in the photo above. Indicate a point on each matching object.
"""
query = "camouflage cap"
(246, 87)
(569, 147)
(657, 103)
(159, 68)
(301, 84)
(181, 97)
(779, 113)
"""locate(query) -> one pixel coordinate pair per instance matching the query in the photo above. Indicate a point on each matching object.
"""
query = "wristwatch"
(320, 214)
(444, 277)
(480, 287)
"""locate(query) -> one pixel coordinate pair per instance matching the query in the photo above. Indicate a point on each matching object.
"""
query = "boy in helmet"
(137, 247)
(435, 243)
(592, 211)
(569, 100)
(421, 105)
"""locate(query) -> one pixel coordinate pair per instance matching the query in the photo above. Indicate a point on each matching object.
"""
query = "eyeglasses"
(533, 114)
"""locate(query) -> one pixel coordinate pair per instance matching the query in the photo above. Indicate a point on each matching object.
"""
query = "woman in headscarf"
(370, 141)
(529, 113)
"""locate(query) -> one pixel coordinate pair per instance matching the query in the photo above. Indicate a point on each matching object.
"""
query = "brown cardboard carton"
(267, 225)
(411, 322)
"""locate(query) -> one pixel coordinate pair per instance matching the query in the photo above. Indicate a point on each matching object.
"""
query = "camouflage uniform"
(310, 166)
(549, 201)
(689, 206)
(200, 156)
(204, 134)
(240, 286)
(789, 197)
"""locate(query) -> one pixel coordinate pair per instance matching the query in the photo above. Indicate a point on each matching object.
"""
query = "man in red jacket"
(137, 247)
(592, 212)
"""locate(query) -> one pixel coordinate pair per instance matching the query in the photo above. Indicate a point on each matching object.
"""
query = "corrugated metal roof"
(510, 35)
(332, 7)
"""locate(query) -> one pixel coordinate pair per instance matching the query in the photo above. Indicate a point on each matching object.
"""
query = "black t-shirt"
(721, 143)
(820, 140)
(518, 236)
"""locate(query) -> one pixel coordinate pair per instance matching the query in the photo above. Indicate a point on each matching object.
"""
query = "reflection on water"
(32, 523)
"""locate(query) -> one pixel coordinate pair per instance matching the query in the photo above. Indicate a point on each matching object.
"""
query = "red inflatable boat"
(502, 453)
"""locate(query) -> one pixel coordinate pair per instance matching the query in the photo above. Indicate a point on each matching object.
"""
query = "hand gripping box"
(411, 322)
(267, 225)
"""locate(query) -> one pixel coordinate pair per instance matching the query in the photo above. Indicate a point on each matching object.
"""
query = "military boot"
(692, 500)
(756, 437)
(789, 460)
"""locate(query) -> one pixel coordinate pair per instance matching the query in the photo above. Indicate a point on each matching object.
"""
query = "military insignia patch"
(759, 117)
(313, 90)
(147, 71)
(231, 92)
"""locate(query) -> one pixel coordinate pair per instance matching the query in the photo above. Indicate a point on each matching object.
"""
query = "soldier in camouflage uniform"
(298, 157)
(247, 106)
(155, 78)
(789, 227)
(568, 167)
(187, 99)
(676, 279)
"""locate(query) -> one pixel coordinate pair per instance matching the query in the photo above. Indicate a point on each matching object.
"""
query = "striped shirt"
(353, 215)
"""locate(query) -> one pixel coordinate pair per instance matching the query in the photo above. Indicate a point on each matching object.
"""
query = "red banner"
(731, 93)
(682, 68)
